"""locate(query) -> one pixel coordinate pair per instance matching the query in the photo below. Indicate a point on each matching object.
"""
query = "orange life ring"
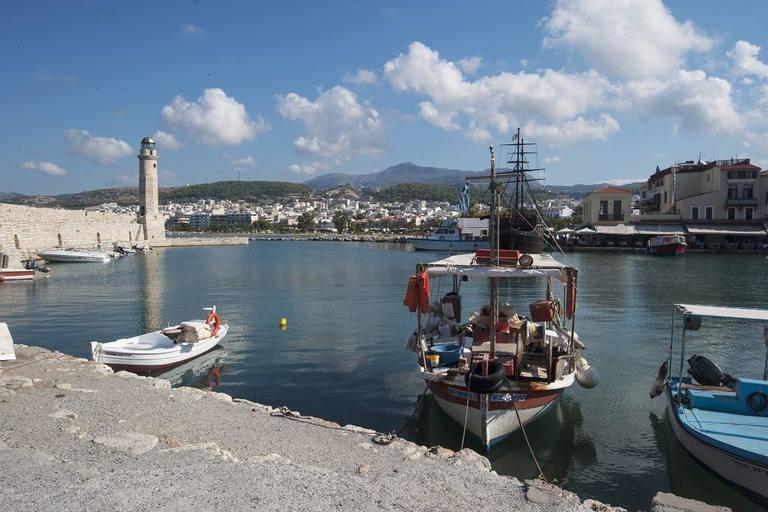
(213, 321)
(570, 297)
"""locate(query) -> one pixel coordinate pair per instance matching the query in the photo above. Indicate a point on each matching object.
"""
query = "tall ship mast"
(521, 228)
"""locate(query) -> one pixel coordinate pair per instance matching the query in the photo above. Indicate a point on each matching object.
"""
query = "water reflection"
(558, 441)
(205, 372)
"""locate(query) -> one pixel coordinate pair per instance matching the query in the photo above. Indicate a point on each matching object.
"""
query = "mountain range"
(406, 172)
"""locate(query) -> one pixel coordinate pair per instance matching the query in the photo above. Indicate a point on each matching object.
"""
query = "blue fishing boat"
(720, 420)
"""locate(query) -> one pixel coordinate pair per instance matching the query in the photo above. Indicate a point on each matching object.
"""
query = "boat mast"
(493, 231)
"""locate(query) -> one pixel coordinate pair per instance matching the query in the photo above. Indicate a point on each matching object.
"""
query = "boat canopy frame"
(691, 311)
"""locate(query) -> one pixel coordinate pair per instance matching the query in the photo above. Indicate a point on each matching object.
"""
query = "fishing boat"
(500, 370)
(720, 420)
(162, 349)
(455, 235)
(75, 255)
(521, 225)
(673, 245)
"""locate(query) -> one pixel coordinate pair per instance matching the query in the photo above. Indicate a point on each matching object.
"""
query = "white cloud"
(566, 133)
(166, 140)
(336, 125)
(190, 30)
(363, 76)
(624, 38)
(552, 160)
(44, 167)
(241, 164)
(702, 103)
(214, 119)
(470, 65)
(499, 102)
(308, 168)
(102, 150)
(745, 61)
(625, 181)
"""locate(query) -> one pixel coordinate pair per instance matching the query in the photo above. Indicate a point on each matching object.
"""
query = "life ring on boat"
(485, 384)
(570, 296)
(442, 239)
(757, 401)
(213, 321)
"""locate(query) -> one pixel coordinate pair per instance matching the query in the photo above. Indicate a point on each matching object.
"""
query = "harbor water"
(341, 354)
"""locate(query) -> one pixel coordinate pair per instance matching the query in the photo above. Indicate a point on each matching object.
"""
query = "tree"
(305, 222)
(341, 220)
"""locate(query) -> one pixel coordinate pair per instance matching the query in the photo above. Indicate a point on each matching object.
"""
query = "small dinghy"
(161, 349)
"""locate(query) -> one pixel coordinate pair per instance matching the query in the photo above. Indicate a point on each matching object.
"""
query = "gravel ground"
(76, 436)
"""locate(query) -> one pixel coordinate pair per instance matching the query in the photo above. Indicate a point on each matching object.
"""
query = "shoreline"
(75, 435)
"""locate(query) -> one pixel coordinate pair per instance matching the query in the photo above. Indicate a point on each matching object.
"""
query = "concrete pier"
(76, 436)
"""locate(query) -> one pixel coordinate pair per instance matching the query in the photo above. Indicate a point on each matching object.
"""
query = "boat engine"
(32, 265)
(707, 373)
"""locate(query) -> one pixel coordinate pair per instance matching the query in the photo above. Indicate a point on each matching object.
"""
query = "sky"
(288, 91)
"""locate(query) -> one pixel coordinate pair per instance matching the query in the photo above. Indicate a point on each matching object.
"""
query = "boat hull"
(65, 256)
(152, 351)
(668, 250)
(501, 419)
(737, 470)
(16, 274)
(428, 244)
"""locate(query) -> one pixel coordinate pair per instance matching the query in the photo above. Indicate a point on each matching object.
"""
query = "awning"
(618, 229)
(726, 229)
(659, 229)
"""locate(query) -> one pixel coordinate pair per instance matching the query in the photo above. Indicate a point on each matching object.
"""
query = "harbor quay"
(74, 435)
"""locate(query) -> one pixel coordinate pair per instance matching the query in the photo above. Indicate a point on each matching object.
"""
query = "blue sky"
(285, 91)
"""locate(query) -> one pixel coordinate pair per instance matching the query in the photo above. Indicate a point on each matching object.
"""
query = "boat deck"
(743, 434)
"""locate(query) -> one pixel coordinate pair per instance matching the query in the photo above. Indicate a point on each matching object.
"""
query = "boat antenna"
(494, 239)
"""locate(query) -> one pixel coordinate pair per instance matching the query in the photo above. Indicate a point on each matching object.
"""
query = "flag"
(464, 199)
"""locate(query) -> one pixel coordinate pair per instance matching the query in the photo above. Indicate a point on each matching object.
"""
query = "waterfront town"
(719, 205)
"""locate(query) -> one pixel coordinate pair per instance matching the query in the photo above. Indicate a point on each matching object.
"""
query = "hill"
(249, 191)
(407, 172)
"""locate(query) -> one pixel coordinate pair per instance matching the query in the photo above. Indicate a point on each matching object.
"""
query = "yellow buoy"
(283, 322)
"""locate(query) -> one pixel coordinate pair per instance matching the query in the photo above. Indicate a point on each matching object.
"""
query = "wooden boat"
(492, 377)
(455, 235)
(673, 245)
(720, 420)
(74, 255)
(161, 349)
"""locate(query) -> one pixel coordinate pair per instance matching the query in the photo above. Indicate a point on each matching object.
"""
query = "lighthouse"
(149, 211)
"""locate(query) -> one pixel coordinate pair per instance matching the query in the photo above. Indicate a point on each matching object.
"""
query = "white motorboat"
(161, 349)
(74, 255)
(455, 235)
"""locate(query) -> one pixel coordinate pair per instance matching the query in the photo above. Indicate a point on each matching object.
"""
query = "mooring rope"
(376, 437)
(533, 455)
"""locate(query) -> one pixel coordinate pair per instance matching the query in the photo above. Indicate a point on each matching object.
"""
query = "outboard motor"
(707, 373)
(32, 265)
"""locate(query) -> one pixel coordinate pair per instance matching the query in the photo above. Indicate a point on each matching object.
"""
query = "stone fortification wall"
(25, 230)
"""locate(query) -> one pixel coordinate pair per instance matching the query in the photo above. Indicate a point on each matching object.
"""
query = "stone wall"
(25, 230)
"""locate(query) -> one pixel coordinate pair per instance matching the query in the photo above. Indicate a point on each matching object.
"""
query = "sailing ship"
(521, 226)
(501, 369)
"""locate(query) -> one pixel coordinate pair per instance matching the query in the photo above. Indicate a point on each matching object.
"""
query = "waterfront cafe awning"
(659, 229)
(566, 231)
(586, 231)
(618, 229)
(725, 229)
